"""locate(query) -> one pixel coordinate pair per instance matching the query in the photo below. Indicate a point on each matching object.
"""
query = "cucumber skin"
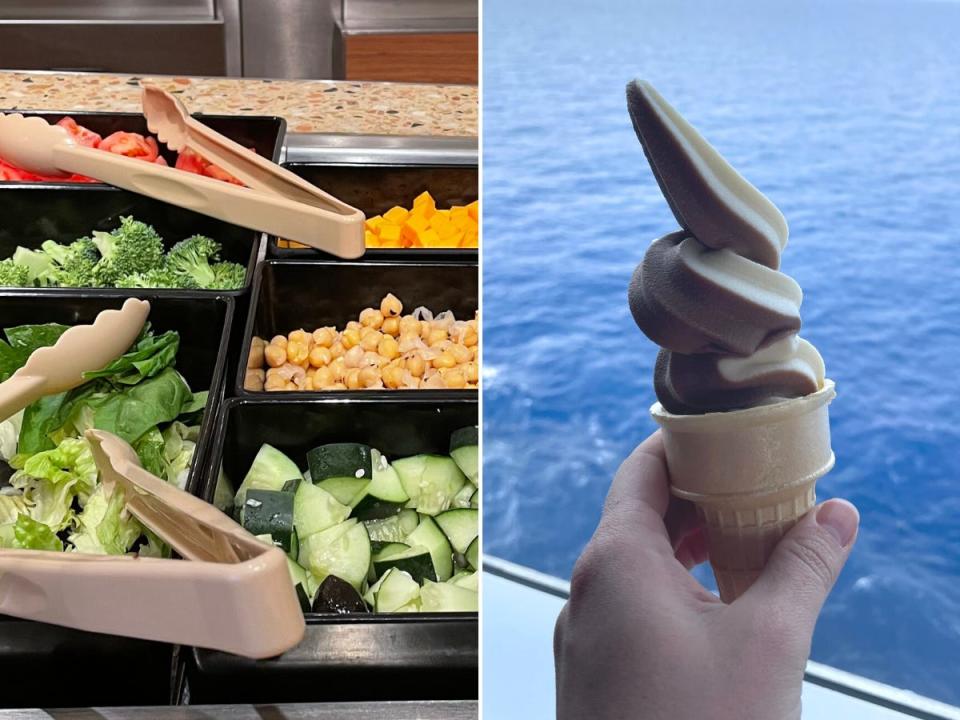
(432, 537)
(419, 567)
(473, 555)
(270, 470)
(371, 508)
(340, 460)
(465, 436)
(274, 515)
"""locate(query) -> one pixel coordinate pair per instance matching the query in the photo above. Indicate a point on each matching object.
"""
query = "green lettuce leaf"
(153, 547)
(10, 435)
(103, 527)
(32, 535)
(149, 356)
(149, 448)
(53, 502)
(23, 340)
(10, 507)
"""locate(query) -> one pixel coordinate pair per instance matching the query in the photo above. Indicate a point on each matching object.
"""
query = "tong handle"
(249, 609)
(18, 391)
(334, 232)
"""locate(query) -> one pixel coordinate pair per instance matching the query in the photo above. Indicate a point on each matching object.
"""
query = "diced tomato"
(218, 173)
(9, 173)
(132, 145)
(189, 161)
(83, 136)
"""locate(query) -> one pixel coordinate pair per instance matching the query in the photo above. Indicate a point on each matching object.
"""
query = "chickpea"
(275, 355)
(279, 340)
(474, 352)
(253, 380)
(353, 325)
(364, 331)
(350, 337)
(409, 325)
(373, 340)
(291, 385)
(424, 329)
(372, 318)
(353, 379)
(354, 357)
(299, 336)
(388, 347)
(337, 386)
(470, 337)
(437, 336)
(444, 360)
(307, 383)
(339, 369)
(391, 326)
(460, 353)
(416, 364)
(297, 352)
(274, 382)
(337, 350)
(320, 356)
(373, 359)
(324, 336)
(392, 376)
(369, 376)
(322, 378)
(472, 372)
(391, 306)
(454, 379)
(255, 358)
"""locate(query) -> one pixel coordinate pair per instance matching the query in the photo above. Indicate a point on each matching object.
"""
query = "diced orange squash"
(473, 209)
(374, 223)
(390, 235)
(458, 212)
(424, 197)
(440, 223)
(370, 239)
(396, 215)
(430, 238)
(412, 227)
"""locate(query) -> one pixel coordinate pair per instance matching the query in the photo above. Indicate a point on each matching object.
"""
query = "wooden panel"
(425, 57)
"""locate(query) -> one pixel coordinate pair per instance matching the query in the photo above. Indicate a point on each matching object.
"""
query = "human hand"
(641, 638)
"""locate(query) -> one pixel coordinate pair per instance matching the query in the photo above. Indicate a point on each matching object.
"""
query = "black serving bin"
(374, 189)
(35, 212)
(264, 134)
(289, 294)
(342, 658)
(83, 668)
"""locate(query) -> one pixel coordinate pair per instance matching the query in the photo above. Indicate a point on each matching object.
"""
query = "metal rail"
(380, 149)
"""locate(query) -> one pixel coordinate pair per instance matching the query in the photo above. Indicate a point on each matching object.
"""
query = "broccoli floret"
(162, 277)
(38, 264)
(193, 257)
(132, 248)
(73, 264)
(227, 276)
(13, 275)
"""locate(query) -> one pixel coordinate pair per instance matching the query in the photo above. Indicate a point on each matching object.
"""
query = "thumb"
(806, 563)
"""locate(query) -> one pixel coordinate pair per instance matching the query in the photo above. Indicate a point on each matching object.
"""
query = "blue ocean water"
(847, 115)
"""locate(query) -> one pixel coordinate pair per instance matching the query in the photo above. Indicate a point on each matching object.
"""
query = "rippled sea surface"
(847, 115)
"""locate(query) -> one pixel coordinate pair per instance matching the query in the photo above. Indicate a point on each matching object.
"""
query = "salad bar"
(372, 494)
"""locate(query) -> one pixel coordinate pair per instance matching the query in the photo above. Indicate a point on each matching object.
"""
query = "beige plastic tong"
(81, 349)
(276, 201)
(231, 592)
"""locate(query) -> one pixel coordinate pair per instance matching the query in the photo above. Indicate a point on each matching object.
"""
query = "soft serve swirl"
(711, 295)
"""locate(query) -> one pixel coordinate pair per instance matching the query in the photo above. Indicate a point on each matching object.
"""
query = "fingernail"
(840, 518)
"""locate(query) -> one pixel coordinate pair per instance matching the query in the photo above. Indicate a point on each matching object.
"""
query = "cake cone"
(751, 473)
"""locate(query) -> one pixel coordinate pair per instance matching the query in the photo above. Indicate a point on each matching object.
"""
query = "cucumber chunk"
(460, 526)
(270, 470)
(475, 499)
(462, 498)
(344, 489)
(388, 549)
(314, 510)
(338, 597)
(464, 451)
(394, 528)
(269, 512)
(397, 590)
(384, 495)
(467, 580)
(416, 561)
(347, 557)
(320, 539)
(432, 538)
(473, 554)
(431, 481)
(350, 460)
(444, 597)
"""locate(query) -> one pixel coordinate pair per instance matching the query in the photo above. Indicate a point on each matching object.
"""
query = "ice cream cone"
(752, 475)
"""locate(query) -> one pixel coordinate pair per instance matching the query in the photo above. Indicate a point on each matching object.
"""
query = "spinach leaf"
(149, 448)
(23, 340)
(135, 410)
(149, 356)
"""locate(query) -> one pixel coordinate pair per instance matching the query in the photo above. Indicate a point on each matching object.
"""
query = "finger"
(805, 564)
(639, 492)
(692, 549)
(681, 520)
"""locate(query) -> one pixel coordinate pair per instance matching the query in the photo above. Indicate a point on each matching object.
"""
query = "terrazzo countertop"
(367, 108)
